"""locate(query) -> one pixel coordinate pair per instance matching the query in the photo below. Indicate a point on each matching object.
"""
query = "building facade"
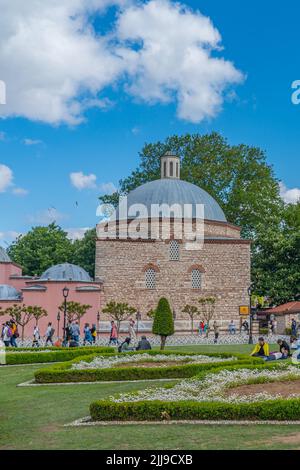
(139, 269)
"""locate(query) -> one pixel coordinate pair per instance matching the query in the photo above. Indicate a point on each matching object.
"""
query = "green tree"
(163, 324)
(207, 310)
(75, 310)
(41, 248)
(84, 251)
(21, 316)
(118, 312)
(192, 312)
(37, 312)
(276, 259)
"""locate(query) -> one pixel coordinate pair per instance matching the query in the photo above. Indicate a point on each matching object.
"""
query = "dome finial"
(170, 165)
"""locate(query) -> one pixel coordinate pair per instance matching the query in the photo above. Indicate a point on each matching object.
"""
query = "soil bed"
(284, 389)
(152, 364)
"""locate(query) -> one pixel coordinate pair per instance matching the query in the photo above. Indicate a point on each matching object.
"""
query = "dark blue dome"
(175, 191)
(66, 272)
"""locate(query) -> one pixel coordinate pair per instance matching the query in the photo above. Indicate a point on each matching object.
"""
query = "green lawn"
(33, 418)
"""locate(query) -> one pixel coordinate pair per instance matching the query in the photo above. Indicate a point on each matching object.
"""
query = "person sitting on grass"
(143, 344)
(283, 345)
(275, 356)
(261, 349)
(295, 343)
(124, 347)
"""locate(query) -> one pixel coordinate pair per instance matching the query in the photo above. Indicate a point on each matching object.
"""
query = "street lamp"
(98, 325)
(58, 320)
(65, 294)
(251, 315)
(138, 318)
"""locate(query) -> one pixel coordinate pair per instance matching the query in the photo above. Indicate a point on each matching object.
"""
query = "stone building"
(138, 261)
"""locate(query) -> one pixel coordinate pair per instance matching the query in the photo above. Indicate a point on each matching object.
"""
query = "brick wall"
(121, 265)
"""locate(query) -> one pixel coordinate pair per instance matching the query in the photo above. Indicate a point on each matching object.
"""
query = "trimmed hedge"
(63, 372)
(187, 410)
(58, 355)
(279, 409)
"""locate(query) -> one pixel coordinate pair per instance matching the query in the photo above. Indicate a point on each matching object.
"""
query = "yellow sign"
(244, 310)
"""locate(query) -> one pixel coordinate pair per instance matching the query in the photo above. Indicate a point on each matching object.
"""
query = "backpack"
(9, 333)
(52, 331)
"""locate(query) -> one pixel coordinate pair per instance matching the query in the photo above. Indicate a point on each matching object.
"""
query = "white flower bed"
(101, 362)
(213, 387)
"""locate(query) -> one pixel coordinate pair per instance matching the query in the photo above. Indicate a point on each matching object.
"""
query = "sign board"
(244, 310)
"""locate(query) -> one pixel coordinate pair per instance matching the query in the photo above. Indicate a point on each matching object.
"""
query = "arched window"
(177, 170)
(171, 168)
(196, 279)
(174, 250)
(150, 278)
(165, 169)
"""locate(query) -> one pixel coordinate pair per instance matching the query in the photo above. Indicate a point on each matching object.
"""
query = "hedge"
(63, 373)
(59, 355)
(278, 410)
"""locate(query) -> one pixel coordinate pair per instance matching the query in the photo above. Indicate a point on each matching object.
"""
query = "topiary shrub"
(163, 324)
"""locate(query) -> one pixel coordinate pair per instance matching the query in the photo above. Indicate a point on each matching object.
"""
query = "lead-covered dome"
(4, 258)
(175, 191)
(66, 272)
(9, 293)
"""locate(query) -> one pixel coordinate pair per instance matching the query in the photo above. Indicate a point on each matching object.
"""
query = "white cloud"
(6, 178)
(47, 216)
(290, 196)
(107, 188)
(56, 65)
(82, 181)
(76, 233)
(30, 142)
(20, 191)
(8, 237)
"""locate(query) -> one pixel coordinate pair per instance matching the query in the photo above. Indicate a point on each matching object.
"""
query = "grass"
(33, 418)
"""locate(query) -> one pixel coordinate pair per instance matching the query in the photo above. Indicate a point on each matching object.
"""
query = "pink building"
(46, 291)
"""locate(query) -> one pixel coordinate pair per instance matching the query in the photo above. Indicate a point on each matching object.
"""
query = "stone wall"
(121, 265)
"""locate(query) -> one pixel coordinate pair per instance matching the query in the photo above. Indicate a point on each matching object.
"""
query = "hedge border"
(279, 409)
(62, 373)
(59, 355)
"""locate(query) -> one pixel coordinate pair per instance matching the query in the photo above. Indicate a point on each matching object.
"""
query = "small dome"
(9, 293)
(4, 258)
(66, 272)
(175, 191)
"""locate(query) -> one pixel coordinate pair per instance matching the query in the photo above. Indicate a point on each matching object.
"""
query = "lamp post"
(251, 316)
(65, 294)
(98, 325)
(138, 318)
(58, 320)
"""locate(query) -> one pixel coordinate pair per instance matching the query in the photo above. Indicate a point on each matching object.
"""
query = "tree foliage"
(37, 312)
(163, 323)
(75, 310)
(119, 312)
(84, 252)
(192, 311)
(41, 248)
(21, 315)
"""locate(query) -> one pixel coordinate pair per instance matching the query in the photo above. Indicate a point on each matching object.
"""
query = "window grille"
(196, 279)
(174, 250)
(150, 279)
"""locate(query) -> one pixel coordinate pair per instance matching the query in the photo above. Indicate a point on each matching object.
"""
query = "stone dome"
(9, 293)
(66, 272)
(175, 191)
(4, 258)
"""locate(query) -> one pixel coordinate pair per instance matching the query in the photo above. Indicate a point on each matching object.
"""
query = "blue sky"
(42, 147)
